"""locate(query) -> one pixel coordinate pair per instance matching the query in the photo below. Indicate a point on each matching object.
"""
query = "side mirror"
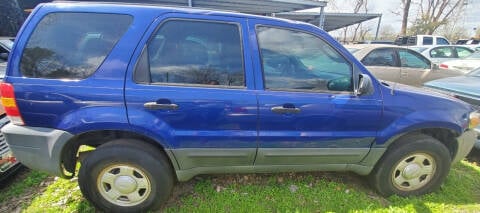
(365, 85)
(434, 66)
(4, 56)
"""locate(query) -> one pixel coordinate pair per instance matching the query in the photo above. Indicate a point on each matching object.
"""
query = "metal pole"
(322, 18)
(190, 3)
(378, 26)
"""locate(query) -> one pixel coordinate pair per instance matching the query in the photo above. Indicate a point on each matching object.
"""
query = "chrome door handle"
(283, 110)
(155, 105)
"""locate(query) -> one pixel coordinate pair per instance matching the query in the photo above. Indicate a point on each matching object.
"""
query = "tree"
(11, 18)
(406, 10)
(387, 32)
(433, 14)
(359, 4)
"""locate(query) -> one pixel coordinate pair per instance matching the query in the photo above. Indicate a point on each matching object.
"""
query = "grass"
(303, 192)
(34, 178)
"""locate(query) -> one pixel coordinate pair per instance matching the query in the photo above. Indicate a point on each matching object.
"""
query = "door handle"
(155, 105)
(286, 110)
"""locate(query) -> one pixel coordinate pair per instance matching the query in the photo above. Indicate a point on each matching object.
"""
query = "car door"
(308, 114)
(192, 90)
(415, 68)
(382, 62)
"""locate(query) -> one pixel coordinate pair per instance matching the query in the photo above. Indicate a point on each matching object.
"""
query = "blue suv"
(164, 94)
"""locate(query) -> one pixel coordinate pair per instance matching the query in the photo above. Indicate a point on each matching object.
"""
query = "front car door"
(192, 91)
(308, 114)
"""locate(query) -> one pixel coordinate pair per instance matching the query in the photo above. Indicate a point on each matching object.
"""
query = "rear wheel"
(414, 165)
(126, 176)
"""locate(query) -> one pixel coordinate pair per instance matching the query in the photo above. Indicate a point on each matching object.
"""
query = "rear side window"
(198, 53)
(442, 52)
(71, 45)
(427, 40)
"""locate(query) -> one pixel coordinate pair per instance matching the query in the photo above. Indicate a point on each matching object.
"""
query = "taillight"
(9, 103)
(444, 66)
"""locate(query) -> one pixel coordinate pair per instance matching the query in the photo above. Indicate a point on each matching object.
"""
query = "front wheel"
(126, 176)
(414, 165)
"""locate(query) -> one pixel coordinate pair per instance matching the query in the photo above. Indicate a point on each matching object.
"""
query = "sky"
(470, 17)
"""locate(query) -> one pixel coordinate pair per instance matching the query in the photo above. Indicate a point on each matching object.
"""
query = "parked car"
(439, 54)
(8, 163)
(465, 88)
(6, 44)
(464, 65)
(165, 94)
(399, 64)
(421, 40)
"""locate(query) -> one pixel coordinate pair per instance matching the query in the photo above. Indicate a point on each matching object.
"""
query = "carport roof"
(333, 21)
(259, 7)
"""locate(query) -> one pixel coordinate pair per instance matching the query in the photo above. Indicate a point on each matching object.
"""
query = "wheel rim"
(413, 172)
(123, 185)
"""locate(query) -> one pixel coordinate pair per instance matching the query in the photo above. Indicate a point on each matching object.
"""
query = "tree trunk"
(11, 18)
(406, 10)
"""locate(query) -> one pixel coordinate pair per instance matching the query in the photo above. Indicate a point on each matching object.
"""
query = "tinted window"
(441, 41)
(195, 52)
(71, 45)
(409, 58)
(442, 52)
(463, 52)
(295, 60)
(380, 57)
(427, 40)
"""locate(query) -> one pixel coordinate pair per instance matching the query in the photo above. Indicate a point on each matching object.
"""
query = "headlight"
(474, 119)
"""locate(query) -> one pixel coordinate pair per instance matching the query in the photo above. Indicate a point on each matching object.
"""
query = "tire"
(126, 175)
(415, 165)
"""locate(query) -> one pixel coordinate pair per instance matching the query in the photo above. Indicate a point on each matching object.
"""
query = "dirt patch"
(15, 204)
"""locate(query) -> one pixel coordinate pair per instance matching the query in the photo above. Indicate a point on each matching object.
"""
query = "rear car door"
(192, 90)
(308, 114)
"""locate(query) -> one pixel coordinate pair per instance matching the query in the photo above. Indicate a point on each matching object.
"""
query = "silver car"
(399, 64)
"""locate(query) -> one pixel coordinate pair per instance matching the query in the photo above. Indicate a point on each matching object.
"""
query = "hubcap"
(123, 185)
(413, 172)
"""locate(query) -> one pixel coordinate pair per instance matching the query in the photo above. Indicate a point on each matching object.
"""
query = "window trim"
(303, 90)
(157, 28)
(132, 20)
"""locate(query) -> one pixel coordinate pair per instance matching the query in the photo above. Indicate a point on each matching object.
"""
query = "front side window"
(71, 45)
(442, 41)
(294, 60)
(463, 52)
(442, 52)
(411, 59)
(380, 57)
(195, 52)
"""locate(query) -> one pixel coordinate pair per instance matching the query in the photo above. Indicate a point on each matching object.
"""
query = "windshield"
(475, 73)
(7, 42)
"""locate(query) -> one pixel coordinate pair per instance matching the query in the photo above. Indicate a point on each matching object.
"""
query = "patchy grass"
(288, 192)
(33, 179)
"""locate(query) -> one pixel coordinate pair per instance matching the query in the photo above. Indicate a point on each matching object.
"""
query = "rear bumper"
(466, 141)
(38, 148)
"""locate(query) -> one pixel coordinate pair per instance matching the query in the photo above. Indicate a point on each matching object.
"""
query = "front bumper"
(465, 144)
(38, 148)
